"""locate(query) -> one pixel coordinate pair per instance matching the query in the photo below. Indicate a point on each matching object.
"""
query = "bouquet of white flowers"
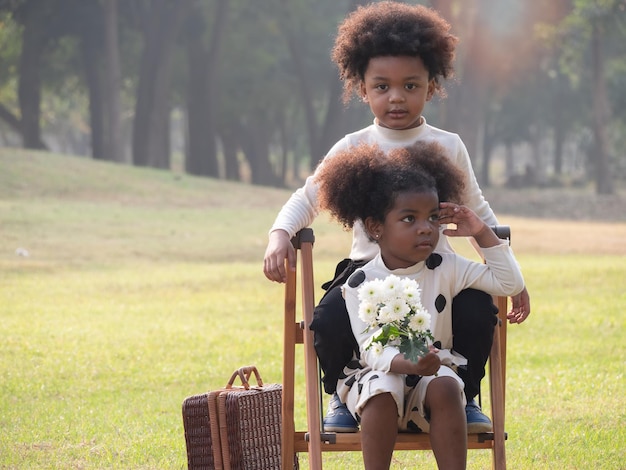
(393, 307)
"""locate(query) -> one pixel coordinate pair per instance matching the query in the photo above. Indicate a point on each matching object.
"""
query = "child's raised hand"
(467, 222)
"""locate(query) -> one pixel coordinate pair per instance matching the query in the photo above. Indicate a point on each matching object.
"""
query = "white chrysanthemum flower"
(377, 348)
(399, 309)
(371, 292)
(420, 321)
(407, 283)
(368, 312)
(412, 293)
(392, 287)
(386, 314)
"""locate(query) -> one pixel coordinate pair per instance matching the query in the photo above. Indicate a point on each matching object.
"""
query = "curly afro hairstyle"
(393, 29)
(363, 181)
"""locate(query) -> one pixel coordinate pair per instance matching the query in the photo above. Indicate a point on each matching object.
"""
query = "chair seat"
(350, 442)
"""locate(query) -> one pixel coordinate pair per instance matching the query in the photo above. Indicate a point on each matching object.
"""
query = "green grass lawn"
(144, 287)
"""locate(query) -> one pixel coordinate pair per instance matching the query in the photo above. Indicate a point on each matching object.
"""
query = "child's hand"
(278, 250)
(520, 308)
(467, 222)
(428, 364)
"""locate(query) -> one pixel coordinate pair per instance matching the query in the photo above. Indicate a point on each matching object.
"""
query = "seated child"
(402, 196)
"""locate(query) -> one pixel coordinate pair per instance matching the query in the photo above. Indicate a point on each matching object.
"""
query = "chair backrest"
(314, 440)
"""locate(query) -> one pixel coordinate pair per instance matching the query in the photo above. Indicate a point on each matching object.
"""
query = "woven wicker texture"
(250, 428)
(198, 433)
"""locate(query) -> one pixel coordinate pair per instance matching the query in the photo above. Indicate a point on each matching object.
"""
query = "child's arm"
(297, 213)
(468, 224)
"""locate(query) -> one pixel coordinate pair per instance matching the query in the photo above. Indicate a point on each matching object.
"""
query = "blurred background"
(245, 90)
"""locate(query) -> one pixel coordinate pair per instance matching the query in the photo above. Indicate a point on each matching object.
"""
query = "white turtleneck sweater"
(302, 208)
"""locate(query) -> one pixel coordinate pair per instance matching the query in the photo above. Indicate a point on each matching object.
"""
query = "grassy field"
(143, 287)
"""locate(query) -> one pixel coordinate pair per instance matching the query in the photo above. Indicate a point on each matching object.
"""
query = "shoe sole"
(340, 429)
(477, 428)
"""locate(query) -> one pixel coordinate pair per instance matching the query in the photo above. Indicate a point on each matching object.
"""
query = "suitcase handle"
(244, 374)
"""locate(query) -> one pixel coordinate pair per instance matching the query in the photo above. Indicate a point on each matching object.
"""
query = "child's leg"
(448, 428)
(379, 428)
(473, 321)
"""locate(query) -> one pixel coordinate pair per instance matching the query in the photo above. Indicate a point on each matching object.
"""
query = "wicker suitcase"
(235, 428)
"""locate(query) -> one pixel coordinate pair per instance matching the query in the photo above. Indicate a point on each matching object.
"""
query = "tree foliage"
(249, 89)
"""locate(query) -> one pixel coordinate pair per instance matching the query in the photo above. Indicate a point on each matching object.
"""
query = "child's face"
(396, 89)
(410, 231)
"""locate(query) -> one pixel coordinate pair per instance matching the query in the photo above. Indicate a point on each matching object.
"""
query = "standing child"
(397, 197)
(394, 57)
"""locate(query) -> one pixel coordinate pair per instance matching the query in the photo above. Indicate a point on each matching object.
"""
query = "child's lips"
(397, 113)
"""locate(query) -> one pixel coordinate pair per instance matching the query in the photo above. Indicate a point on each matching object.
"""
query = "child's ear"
(373, 228)
(363, 92)
(431, 89)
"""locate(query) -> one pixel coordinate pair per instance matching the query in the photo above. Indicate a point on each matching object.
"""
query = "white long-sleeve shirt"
(302, 208)
(439, 285)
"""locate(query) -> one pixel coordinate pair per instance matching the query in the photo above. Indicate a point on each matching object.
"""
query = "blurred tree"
(261, 99)
(526, 100)
(9, 58)
(203, 50)
(159, 22)
(34, 19)
(587, 35)
(114, 148)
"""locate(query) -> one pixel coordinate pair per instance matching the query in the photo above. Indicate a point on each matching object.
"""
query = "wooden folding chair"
(314, 440)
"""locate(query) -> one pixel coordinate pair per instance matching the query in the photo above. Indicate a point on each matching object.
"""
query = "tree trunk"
(230, 146)
(201, 155)
(151, 124)
(604, 183)
(488, 144)
(114, 146)
(91, 51)
(203, 65)
(559, 127)
(295, 50)
(332, 124)
(11, 119)
(444, 7)
(29, 87)
(474, 81)
(256, 149)
(335, 111)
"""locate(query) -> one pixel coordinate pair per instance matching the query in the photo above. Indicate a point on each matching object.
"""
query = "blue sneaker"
(338, 417)
(477, 422)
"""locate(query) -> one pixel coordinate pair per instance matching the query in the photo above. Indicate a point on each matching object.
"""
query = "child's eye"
(382, 87)
(410, 86)
(408, 219)
(434, 218)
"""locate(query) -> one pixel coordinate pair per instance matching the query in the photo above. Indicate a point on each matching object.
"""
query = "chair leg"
(497, 396)
(311, 365)
(289, 353)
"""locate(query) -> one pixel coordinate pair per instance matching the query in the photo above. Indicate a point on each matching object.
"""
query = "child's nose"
(424, 227)
(396, 96)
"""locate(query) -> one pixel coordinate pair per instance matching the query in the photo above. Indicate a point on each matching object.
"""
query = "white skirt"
(409, 391)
